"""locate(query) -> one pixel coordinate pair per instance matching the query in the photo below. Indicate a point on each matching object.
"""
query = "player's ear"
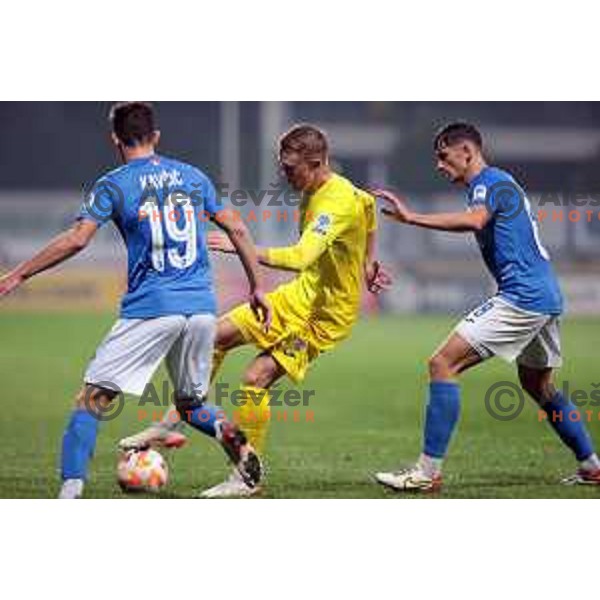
(156, 138)
(115, 139)
(468, 150)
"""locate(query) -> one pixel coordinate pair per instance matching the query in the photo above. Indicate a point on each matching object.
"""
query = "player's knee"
(91, 398)
(439, 367)
(80, 399)
(254, 378)
(258, 377)
(537, 383)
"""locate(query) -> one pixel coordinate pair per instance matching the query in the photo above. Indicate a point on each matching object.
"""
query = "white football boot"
(233, 487)
(72, 489)
(163, 434)
(583, 477)
(413, 479)
(245, 459)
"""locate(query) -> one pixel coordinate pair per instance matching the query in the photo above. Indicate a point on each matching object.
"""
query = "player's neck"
(137, 152)
(475, 169)
(324, 175)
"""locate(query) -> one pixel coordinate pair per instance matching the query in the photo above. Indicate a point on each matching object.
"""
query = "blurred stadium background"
(50, 151)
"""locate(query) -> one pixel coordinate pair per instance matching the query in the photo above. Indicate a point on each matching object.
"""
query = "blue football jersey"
(511, 246)
(161, 207)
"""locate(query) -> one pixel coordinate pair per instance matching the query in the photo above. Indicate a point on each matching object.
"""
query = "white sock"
(71, 489)
(590, 464)
(430, 466)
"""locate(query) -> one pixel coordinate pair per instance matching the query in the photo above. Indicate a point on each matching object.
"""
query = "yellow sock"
(254, 416)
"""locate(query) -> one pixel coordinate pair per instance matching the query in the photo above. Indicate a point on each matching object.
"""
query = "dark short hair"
(307, 140)
(454, 133)
(133, 122)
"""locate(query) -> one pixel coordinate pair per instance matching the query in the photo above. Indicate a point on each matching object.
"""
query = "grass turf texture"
(367, 409)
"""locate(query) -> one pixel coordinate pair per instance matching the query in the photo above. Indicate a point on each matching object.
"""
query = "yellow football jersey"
(330, 257)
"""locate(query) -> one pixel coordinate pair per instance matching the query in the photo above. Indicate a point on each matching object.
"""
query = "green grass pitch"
(368, 401)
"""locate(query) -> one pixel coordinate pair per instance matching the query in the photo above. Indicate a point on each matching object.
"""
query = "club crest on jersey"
(294, 345)
(322, 224)
(479, 193)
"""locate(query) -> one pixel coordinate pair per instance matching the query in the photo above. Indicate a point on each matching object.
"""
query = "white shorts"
(132, 351)
(498, 328)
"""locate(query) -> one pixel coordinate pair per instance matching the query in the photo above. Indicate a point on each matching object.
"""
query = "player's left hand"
(397, 206)
(378, 279)
(261, 308)
(9, 283)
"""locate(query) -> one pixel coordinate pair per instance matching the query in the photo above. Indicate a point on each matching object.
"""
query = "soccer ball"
(142, 471)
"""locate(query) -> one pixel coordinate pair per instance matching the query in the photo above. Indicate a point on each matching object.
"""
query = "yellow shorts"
(290, 339)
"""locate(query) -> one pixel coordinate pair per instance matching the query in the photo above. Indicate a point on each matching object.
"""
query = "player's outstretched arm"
(61, 248)
(238, 239)
(398, 210)
(322, 229)
(288, 258)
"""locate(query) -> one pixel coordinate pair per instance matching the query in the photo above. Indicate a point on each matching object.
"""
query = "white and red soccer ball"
(142, 471)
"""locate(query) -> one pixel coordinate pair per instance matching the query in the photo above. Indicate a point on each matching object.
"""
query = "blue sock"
(567, 422)
(204, 417)
(79, 441)
(441, 417)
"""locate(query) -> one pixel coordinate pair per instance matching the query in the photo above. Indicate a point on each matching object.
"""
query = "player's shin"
(212, 421)
(172, 420)
(253, 415)
(441, 417)
(567, 422)
(201, 415)
(79, 441)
